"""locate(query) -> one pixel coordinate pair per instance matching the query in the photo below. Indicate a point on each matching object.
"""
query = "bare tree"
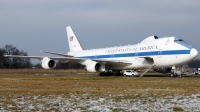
(8, 62)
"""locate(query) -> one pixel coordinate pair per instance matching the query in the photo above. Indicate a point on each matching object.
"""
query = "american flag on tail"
(71, 38)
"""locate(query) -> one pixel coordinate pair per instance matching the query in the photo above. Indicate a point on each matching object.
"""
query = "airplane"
(159, 54)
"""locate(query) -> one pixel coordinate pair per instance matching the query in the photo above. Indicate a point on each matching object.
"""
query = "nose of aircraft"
(193, 53)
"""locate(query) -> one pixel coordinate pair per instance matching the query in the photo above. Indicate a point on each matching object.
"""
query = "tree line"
(17, 63)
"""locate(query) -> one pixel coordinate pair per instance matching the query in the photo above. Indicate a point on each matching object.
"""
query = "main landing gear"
(111, 73)
(106, 73)
(174, 75)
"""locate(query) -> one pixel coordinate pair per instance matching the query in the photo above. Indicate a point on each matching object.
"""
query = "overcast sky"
(34, 25)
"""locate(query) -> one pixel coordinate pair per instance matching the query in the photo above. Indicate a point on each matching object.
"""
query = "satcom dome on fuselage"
(150, 38)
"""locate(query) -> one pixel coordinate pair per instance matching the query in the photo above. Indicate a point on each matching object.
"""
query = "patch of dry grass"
(27, 81)
(55, 90)
(39, 71)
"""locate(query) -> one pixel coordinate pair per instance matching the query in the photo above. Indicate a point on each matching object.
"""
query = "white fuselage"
(165, 52)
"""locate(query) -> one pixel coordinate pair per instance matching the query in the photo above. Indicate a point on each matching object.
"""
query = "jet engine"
(163, 70)
(48, 63)
(95, 67)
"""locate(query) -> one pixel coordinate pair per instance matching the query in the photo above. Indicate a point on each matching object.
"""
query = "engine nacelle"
(163, 70)
(48, 63)
(95, 67)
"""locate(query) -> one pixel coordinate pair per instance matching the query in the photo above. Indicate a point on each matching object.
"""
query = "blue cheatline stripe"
(152, 53)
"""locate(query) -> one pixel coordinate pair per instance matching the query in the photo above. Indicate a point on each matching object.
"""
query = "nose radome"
(193, 52)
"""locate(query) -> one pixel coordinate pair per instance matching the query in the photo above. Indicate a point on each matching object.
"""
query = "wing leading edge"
(66, 59)
(59, 54)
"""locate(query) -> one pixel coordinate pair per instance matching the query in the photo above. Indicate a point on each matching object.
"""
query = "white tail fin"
(74, 44)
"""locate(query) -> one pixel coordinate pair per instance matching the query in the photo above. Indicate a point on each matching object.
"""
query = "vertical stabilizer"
(74, 44)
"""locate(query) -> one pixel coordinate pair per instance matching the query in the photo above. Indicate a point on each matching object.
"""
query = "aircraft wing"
(18, 56)
(59, 54)
(65, 59)
(114, 62)
(41, 57)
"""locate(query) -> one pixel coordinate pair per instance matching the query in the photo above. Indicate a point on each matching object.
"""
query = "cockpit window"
(178, 40)
(182, 42)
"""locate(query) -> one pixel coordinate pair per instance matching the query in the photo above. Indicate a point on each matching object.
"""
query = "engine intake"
(95, 67)
(48, 63)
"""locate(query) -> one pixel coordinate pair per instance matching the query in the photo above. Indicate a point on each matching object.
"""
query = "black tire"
(174, 75)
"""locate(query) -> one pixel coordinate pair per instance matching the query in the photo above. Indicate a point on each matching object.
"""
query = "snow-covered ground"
(106, 103)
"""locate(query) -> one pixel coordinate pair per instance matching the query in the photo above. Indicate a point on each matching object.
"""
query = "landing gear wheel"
(100, 74)
(174, 75)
